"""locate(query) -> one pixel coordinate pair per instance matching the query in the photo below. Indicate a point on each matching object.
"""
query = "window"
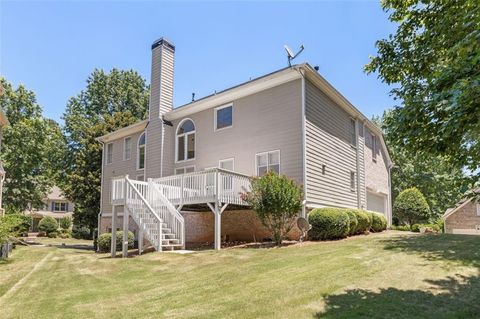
(141, 152)
(353, 132)
(478, 209)
(352, 180)
(185, 141)
(184, 170)
(109, 155)
(223, 117)
(227, 164)
(127, 148)
(374, 148)
(59, 207)
(268, 161)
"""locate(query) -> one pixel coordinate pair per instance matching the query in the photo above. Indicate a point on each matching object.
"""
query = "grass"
(377, 276)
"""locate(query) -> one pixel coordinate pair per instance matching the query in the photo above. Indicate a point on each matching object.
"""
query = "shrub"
(415, 228)
(364, 221)
(379, 222)
(65, 222)
(21, 223)
(328, 223)
(411, 207)
(401, 227)
(47, 224)
(65, 233)
(105, 240)
(52, 234)
(353, 226)
(81, 233)
(276, 200)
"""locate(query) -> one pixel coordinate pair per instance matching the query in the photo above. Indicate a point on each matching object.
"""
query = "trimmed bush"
(52, 234)
(328, 223)
(105, 240)
(401, 227)
(81, 233)
(364, 221)
(353, 222)
(48, 225)
(379, 222)
(411, 207)
(65, 222)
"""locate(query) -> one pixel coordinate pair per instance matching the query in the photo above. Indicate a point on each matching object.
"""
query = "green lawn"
(375, 276)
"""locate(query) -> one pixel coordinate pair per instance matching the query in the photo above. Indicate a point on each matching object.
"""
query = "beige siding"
(376, 172)
(328, 143)
(361, 161)
(464, 220)
(118, 167)
(265, 121)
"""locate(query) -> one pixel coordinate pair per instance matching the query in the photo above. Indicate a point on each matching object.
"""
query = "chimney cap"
(163, 41)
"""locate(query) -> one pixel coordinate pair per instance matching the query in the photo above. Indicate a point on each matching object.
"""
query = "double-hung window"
(59, 207)
(109, 154)
(223, 117)
(268, 161)
(127, 148)
(374, 147)
(353, 132)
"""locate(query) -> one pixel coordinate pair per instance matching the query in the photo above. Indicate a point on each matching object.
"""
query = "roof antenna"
(290, 54)
(193, 96)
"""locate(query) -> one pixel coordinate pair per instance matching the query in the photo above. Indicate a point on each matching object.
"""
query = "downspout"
(99, 216)
(304, 147)
(359, 197)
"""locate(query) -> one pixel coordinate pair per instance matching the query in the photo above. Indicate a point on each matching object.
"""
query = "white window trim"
(60, 210)
(186, 144)
(354, 131)
(374, 147)
(279, 161)
(352, 182)
(215, 129)
(227, 160)
(106, 154)
(184, 169)
(144, 153)
(124, 148)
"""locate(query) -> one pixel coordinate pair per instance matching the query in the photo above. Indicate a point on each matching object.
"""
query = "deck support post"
(125, 233)
(113, 242)
(217, 210)
(140, 240)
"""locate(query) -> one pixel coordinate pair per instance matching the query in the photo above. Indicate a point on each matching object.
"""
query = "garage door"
(376, 203)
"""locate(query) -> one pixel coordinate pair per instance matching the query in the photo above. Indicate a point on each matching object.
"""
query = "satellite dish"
(289, 51)
(291, 55)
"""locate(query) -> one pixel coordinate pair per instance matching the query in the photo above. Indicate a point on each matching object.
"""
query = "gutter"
(304, 146)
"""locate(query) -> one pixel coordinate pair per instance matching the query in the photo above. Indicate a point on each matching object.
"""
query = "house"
(170, 172)
(465, 217)
(3, 123)
(55, 205)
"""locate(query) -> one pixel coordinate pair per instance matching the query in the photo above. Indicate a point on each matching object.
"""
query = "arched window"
(141, 152)
(185, 144)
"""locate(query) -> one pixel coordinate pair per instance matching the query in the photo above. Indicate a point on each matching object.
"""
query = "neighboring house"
(186, 162)
(465, 217)
(3, 123)
(55, 205)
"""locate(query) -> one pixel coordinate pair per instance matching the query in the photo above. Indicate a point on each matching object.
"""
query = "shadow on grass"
(449, 298)
(76, 246)
(453, 297)
(462, 249)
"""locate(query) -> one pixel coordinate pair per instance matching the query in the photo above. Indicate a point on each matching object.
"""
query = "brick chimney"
(161, 98)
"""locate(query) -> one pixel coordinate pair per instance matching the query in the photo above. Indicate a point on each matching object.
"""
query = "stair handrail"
(129, 182)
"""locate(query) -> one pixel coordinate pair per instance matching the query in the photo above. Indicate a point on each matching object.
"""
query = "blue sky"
(52, 47)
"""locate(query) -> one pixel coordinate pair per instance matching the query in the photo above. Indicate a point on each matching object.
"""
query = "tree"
(442, 183)
(433, 62)
(110, 101)
(30, 147)
(411, 207)
(276, 201)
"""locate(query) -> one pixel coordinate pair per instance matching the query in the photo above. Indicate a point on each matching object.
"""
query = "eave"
(123, 132)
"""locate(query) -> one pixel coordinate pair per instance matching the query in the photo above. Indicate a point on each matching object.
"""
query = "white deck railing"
(204, 187)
